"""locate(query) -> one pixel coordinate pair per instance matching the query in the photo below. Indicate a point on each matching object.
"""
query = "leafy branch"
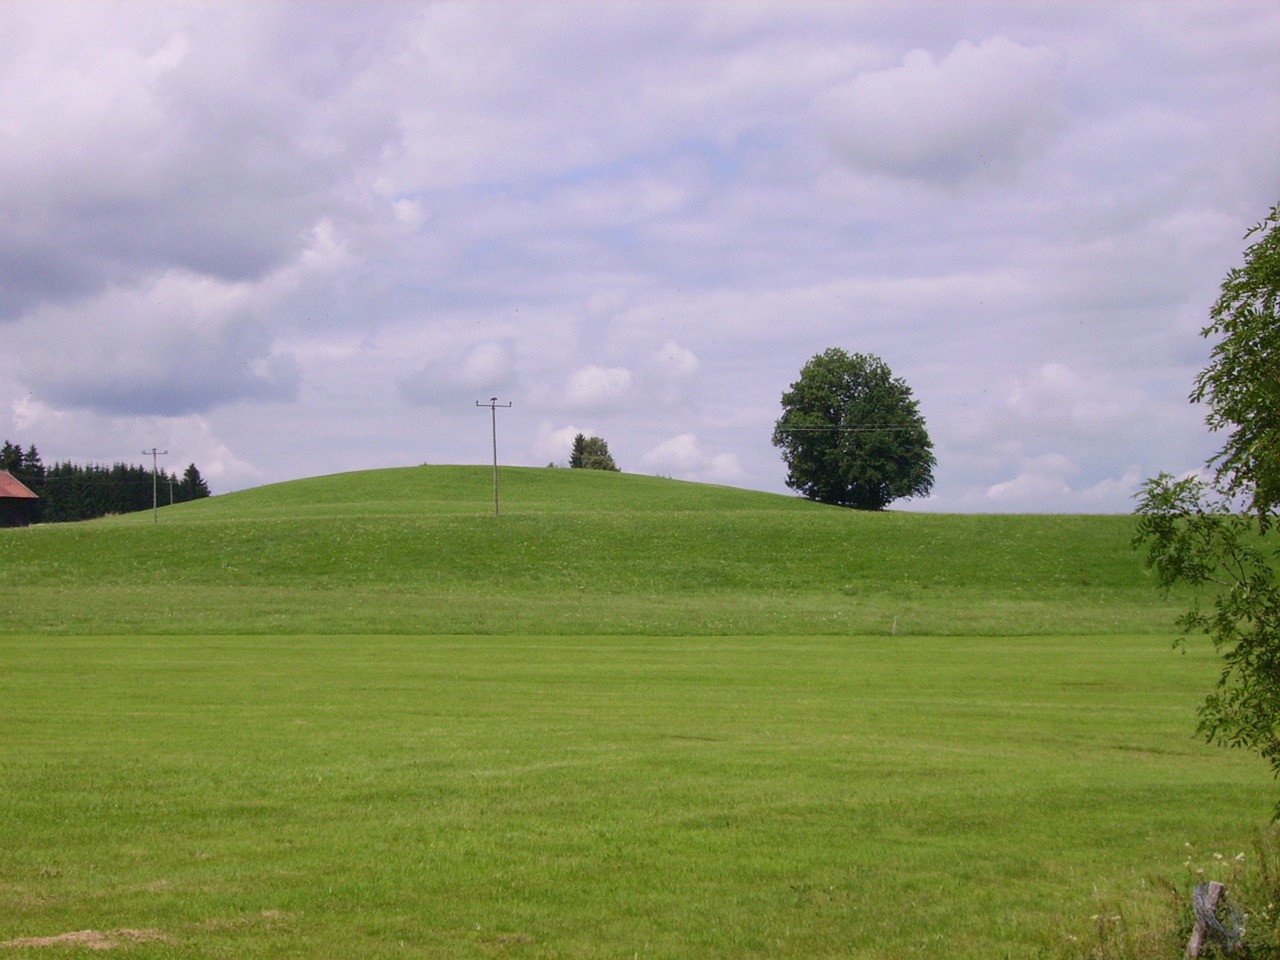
(1195, 533)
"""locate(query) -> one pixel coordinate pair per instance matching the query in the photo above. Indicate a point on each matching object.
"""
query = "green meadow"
(583, 552)
(361, 716)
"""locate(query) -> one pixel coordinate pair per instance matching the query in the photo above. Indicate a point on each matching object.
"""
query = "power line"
(885, 429)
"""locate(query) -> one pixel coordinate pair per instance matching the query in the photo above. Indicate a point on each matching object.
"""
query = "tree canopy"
(591, 453)
(852, 435)
(1219, 534)
(193, 486)
(1241, 384)
(70, 491)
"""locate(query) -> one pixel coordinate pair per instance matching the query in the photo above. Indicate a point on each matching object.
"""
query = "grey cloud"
(191, 382)
(169, 380)
(211, 147)
(180, 344)
(981, 109)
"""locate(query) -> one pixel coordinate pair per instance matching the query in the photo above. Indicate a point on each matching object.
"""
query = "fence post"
(1211, 898)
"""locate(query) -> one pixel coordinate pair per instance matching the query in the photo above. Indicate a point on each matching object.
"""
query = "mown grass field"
(362, 717)
(419, 551)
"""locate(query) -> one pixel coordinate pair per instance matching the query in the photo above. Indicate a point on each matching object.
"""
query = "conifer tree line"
(70, 491)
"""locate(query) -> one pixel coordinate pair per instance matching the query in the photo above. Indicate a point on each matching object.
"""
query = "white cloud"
(1041, 477)
(487, 367)
(1044, 484)
(594, 387)
(981, 109)
(555, 444)
(683, 457)
(1056, 392)
(675, 361)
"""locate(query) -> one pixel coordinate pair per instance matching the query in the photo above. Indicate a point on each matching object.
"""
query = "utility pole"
(493, 406)
(155, 472)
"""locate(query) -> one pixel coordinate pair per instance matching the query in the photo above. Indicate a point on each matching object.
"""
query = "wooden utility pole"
(493, 406)
(155, 472)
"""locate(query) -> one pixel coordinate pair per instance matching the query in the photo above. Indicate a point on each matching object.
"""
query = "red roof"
(12, 487)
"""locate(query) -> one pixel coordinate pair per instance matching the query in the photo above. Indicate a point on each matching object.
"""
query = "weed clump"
(1158, 920)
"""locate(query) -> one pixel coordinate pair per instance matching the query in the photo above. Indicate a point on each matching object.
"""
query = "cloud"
(595, 387)
(1044, 484)
(87, 437)
(305, 224)
(137, 140)
(982, 109)
(487, 367)
(555, 444)
(1042, 477)
(1056, 392)
(1064, 436)
(683, 457)
(675, 362)
(180, 344)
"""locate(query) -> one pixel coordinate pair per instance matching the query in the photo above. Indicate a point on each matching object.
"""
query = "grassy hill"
(418, 550)
(361, 716)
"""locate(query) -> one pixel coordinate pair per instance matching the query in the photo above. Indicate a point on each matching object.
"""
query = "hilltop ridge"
(469, 489)
(419, 550)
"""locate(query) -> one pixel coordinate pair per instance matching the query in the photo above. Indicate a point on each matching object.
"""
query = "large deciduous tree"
(852, 435)
(1219, 535)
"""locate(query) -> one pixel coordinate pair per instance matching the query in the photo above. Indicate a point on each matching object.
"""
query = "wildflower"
(1217, 856)
(1240, 857)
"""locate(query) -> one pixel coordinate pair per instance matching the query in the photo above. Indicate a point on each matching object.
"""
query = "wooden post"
(1211, 899)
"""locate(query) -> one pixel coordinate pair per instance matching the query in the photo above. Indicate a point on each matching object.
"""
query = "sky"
(281, 240)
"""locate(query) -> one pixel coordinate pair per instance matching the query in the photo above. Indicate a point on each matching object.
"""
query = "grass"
(361, 716)
(419, 551)
(589, 796)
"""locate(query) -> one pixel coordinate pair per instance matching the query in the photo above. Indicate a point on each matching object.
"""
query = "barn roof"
(13, 488)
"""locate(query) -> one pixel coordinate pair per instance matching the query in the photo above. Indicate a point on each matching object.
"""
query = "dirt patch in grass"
(93, 939)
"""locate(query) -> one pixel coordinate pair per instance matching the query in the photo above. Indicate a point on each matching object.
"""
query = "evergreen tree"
(27, 468)
(24, 465)
(192, 485)
(579, 447)
(11, 458)
(591, 453)
(33, 468)
(69, 491)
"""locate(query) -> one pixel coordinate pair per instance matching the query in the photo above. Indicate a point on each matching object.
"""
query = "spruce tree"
(591, 453)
